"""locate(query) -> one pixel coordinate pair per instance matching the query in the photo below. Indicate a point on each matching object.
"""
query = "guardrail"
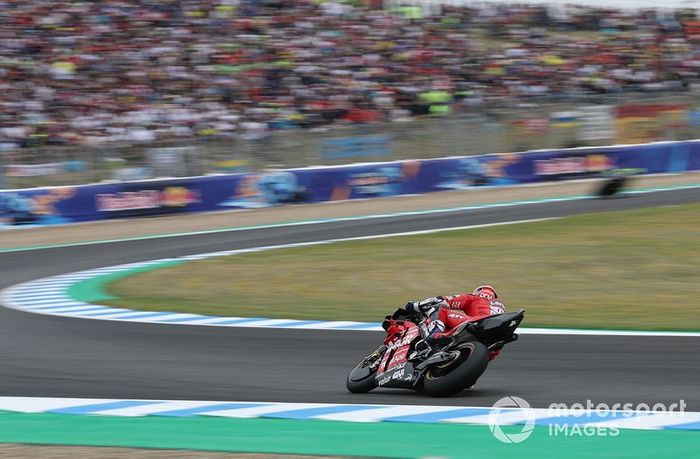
(54, 205)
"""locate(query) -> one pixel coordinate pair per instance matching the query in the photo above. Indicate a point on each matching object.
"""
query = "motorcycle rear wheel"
(458, 375)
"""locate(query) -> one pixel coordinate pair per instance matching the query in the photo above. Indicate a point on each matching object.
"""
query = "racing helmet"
(485, 291)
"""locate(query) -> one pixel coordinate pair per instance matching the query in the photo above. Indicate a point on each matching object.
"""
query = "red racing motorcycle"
(451, 365)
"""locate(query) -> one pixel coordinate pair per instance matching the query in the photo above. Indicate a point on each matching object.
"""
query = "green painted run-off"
(93, 290)
(385, 439)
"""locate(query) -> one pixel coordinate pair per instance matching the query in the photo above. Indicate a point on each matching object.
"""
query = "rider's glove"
(428, 303)
(412, 306)
(423, 305)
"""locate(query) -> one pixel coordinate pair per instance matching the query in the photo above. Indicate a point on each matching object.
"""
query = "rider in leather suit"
(445, 313)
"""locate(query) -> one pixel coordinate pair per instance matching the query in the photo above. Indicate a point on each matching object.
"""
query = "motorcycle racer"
(445, 313)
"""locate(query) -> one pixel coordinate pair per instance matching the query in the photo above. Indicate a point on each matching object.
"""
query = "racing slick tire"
(361, 379)
(443, 381)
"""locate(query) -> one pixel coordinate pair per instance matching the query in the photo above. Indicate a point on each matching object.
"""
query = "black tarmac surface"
(64, 357)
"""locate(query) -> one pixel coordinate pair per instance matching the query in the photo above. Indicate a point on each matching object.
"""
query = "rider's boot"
(434, 330)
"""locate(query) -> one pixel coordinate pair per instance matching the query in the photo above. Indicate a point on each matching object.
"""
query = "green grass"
(633, 269)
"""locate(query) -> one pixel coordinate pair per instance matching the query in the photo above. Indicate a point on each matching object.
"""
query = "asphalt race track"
(65, 357)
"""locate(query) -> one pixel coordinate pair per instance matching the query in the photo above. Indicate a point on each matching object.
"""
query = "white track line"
(351, 412)
(31, 297)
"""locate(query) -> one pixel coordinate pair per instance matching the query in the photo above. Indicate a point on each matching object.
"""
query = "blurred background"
(93, 91)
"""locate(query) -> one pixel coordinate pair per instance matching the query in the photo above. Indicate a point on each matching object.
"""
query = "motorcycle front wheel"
(461, 373)
(362, 378)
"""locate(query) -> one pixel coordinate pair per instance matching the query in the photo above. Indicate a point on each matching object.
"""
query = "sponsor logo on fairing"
(497, 307)
(405, 341)
(397, 358)
(396, 373)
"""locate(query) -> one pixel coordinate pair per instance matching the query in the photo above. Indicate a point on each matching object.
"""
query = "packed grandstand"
(89, 73)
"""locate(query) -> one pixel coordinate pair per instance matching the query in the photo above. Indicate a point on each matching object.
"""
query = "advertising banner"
(333, 183)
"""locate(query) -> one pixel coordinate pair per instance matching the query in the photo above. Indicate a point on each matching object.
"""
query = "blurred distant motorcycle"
(449, 366)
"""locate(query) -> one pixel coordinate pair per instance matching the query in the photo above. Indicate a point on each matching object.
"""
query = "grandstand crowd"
(93, 72)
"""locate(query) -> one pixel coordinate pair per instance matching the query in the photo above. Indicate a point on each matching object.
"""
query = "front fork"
(375, 357)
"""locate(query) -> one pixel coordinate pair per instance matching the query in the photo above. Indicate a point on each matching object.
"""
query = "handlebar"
(402, 314)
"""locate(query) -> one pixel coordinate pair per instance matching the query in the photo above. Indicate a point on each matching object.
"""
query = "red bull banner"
(45, 206)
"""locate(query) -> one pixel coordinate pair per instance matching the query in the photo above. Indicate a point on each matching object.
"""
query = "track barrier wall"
(54, 205)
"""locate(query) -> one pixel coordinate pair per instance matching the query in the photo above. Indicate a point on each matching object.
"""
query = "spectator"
(145, 70)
